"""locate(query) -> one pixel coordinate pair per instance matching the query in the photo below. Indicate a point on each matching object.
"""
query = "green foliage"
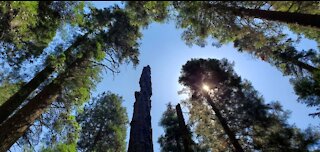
(109, 40)
(61, 147)
(307, 7)
(7, 89)
(308, 89)
(172, 138)
(29, 27)
(257, 126)
(103, 124)
(142, 13)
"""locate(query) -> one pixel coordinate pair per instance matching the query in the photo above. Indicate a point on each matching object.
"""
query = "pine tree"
(228, 110)
(103, 124)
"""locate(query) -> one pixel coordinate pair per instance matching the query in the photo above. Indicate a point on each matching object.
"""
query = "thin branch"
(269, 7)
(290, 7)
(30, 144)
(105, 66)
(314, 114)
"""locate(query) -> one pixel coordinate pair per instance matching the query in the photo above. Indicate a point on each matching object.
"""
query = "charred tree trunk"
(19, 97)
(284, 17)
(224, 125)
(184, 130)
(141, 130)
(12, 129)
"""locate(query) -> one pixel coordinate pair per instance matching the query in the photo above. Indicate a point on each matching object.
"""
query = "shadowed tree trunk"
(284, 17)
(178, 142)
(184, 130)
(12, 129)
(224, 125)
(19, 97)
(300, 64)
(96, 139)
(141, 129)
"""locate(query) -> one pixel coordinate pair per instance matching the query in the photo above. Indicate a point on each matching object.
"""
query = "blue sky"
(163, 49)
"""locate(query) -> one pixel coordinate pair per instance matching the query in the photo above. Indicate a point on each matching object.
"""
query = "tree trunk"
(284, 17)
(176, 137)
(184, 130)
(19, 97)
(300, 64)
(224, 125)
(12, 129)
(98, 136)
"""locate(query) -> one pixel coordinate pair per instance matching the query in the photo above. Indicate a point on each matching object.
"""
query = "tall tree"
(118, 43)
(103, 124)
(239, 111)
(172, 140)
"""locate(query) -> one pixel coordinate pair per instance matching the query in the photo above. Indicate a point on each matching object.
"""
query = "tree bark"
(12, 129)
(19, 97)
(311, 20)
(184, 130)
(224, 125)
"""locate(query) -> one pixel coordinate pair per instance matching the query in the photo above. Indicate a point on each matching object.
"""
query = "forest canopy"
(54, 54)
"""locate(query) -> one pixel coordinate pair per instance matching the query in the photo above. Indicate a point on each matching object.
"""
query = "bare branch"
(113, 70)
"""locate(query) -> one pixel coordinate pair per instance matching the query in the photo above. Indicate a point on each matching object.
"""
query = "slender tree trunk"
(12, 129)
(19, 97)
(184, 130)
(224, 125)
(94, 144)
(284, 17)
(176, 137)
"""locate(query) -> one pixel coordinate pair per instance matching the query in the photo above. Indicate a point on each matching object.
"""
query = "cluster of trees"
(98, 40)
(258, 28)
(103, 125)
(69, 44)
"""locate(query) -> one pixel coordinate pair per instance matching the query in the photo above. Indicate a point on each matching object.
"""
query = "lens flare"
(205, 87)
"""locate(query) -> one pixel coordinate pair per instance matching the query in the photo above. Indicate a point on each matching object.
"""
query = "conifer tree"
(103, 124)
(229, 110)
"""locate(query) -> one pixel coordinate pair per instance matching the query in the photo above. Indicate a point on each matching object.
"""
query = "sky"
(165, 52)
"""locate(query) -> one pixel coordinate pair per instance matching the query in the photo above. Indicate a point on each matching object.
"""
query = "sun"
(205, 87)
